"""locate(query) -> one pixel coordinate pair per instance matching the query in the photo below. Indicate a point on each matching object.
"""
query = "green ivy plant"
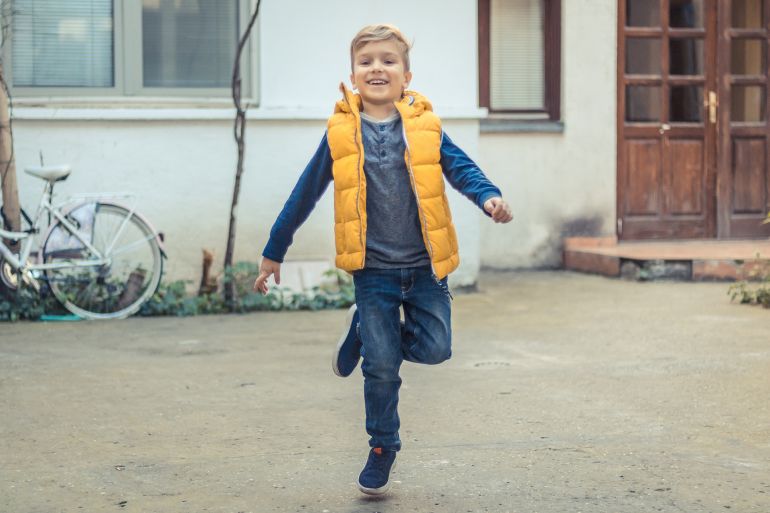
(756, 295)
(172, 298)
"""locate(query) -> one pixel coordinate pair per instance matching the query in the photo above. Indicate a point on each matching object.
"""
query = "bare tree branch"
(239, 129)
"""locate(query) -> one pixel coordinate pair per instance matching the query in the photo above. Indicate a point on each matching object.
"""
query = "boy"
(387, 155)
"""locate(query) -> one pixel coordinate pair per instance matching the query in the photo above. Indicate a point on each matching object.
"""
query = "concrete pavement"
(566, 393)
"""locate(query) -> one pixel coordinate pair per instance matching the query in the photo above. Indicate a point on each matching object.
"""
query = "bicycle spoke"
(120, 232)
(132, 245)
(84, 296)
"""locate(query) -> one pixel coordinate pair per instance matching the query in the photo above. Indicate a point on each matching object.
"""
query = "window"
(519, 57)
(125, 47)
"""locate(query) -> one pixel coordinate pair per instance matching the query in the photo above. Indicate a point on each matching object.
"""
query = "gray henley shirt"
(393, 233)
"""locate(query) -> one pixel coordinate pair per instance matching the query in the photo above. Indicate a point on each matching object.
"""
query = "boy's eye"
(388, 61)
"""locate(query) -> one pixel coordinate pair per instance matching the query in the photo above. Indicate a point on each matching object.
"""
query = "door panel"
(643, 176)
(666, 139)
(743, 195)
(685, 177)
(749, 184)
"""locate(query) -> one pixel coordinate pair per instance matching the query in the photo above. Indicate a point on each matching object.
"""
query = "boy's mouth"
(377, 81)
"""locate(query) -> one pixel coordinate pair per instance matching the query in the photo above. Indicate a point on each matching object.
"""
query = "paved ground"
(566, 393)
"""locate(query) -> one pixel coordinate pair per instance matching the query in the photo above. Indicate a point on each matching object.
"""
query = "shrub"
(756, 294)
(172, 298)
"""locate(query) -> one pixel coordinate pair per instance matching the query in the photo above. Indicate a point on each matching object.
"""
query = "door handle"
(712, 103)
(665, 127)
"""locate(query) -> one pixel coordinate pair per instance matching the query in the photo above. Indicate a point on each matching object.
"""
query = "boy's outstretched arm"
(464, 174)
(306, 193)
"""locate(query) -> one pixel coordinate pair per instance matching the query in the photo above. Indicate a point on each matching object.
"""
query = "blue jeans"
(425, 338)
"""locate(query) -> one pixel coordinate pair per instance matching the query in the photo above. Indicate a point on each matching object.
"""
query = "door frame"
(721, 221)
(654, 228)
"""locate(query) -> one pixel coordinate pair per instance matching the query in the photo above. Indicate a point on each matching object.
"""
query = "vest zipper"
(419, 208)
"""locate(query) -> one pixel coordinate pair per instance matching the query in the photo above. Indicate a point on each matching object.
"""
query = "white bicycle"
(100, 258)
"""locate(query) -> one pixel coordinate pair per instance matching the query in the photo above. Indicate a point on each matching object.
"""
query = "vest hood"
(410, 105)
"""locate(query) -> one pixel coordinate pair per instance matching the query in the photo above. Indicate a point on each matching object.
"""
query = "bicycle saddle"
(50, 173)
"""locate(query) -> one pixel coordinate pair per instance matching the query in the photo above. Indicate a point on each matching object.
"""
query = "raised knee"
(438, 353)
(443, 356)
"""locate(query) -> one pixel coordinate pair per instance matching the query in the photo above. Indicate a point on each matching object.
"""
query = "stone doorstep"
(589, 242)
(686, 270)
(593, 263)
(729, 270)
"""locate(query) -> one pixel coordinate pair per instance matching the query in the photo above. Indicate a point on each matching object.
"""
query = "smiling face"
(379, 74)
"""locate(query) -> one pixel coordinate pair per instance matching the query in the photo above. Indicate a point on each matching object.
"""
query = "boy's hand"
(499, 210)
(267, 268)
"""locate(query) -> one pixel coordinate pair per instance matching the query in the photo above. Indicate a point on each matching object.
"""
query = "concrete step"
(689, 260)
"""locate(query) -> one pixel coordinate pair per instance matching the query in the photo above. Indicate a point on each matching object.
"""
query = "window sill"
(173, 109)
(517, 125)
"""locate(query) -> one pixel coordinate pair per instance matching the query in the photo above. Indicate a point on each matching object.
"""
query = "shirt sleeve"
(303, 198)
(464, 174)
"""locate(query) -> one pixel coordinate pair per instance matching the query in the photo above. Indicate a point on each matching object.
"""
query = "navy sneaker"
(348, 350)
(375, 477)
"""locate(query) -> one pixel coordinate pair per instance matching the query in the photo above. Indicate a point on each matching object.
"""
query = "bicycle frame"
(20, 264)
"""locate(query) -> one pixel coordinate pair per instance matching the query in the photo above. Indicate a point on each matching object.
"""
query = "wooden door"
(743, 175)
(666, 139)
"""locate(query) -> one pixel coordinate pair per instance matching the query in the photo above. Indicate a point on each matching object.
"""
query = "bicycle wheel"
(117, 288)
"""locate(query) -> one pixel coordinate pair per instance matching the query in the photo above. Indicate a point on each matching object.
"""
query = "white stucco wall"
(561, 183)
(180, 161)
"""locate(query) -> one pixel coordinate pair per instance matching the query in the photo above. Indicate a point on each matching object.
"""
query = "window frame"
(128, 67)
(551, 61)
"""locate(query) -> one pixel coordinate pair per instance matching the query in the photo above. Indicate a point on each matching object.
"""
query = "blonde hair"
(380, 32)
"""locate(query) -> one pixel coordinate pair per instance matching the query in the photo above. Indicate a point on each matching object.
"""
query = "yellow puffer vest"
(422, 130)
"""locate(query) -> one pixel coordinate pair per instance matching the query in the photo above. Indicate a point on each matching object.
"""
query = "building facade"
(641, 118)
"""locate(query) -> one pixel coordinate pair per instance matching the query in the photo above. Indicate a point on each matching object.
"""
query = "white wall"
(181, 161)
(306, 47)
(564, 183)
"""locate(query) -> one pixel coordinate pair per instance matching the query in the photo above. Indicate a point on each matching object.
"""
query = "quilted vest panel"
(422, 129)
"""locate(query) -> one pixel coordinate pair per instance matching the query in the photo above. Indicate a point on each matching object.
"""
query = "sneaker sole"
(335, 356)
(382, 489)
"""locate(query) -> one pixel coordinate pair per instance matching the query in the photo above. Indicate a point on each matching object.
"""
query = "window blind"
(190, 43)
(62, 44)
(517, 55)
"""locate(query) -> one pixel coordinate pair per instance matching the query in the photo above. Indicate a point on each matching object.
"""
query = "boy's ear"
(407, 79)
(353, 81)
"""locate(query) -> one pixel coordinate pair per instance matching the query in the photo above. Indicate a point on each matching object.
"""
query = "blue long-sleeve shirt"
(460, 171)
